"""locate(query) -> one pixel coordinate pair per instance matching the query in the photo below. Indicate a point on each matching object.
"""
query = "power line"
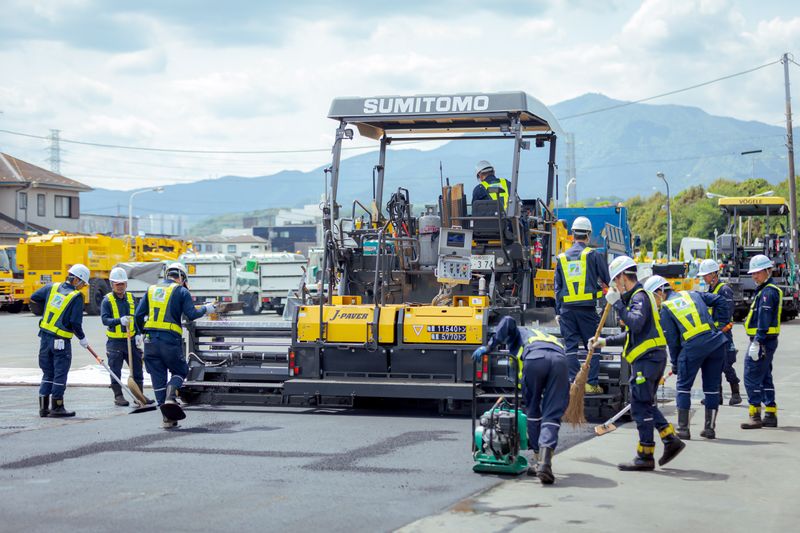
(625, 104)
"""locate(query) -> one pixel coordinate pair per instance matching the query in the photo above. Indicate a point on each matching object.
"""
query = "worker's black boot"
(57, 409)
(755, 418)
(166, 423)
(711, 424)
(120, 400)
(643, 461)
(683, 424)
(44, 406)
(736, 398)
(533, 464)
(545, 468)
(149, 401)
(672, 445)
(770, 417)
(172, 394)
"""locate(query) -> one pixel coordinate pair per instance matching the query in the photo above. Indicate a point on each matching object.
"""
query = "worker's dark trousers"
(578, 325)
(730, 359)
(55, 366)
(689, 364)
(758, 375)
(644, 409)
(160, 357)
(545, 388)
(117, 353)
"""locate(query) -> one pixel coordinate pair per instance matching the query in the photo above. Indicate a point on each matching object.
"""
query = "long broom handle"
(597, 333)
(130, 351)
(113, 375)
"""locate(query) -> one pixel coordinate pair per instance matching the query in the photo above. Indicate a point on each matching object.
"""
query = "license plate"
(448, 336)
(46, 278)
(482, 262)
(447, 329)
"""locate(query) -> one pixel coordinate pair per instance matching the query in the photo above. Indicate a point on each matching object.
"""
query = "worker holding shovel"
(645, 350)
(116, 312)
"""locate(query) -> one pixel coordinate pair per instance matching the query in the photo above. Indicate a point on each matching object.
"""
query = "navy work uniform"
(695, 345)
(579, 272)
(163, 305)
(724, 323)
(111, 310)
(62, 318)
(645, 350)
(763, 325)
(490, 188)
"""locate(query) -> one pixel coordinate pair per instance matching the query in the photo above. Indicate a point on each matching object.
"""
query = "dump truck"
(47, 258)
(216, 277)
(409, 295)
(11, 290)
(279, 275)
(757, 225)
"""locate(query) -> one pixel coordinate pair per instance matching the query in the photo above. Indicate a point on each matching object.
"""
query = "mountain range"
(619, 148)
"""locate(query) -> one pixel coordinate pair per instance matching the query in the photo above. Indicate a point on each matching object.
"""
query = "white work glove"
(613, 296)
(139, 340)
(125, 321)
(598, 342)
(753, 350)
(558, 320)
(84, 342)
(210, 307)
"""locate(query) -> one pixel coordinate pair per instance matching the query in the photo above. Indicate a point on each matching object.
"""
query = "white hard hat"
(80, 271)
(707, 266)
(619, 265)
(653, 283)
(173, 267)
(118, 275)
(582, 224)
(758, 263)
(483, 166)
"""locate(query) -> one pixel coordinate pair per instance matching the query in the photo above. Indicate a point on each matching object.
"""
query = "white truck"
(216, 277)
(279, 275)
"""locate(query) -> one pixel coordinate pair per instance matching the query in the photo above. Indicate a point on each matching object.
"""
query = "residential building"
(35, 199)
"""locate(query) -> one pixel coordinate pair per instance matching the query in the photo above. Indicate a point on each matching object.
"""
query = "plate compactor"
(502, 434)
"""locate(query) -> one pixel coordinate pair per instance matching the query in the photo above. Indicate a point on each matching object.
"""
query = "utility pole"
(790, 149)
(55, 151)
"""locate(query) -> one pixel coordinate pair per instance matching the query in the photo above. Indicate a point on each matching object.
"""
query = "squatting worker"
(62, 318)
(709, 271)
(645, 350)
(159, 315)
(695, 345)
(545, 388)
(762, 325)
(581, 274)
(116, 312)
(490, 187)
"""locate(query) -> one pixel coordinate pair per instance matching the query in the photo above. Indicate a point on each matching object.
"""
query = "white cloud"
(150, 61)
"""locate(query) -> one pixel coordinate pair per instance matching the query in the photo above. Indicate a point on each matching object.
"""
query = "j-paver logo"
(349, 316)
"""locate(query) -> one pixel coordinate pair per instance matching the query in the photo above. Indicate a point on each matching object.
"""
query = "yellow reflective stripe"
(56, 304)
(157, 308)
(649, 344)
(115, 332)
(576, 271)
(503, 185)
(649, 450)
(715, 291)
(669, 430)
(768, 409)
(685, 311)
(773, 330)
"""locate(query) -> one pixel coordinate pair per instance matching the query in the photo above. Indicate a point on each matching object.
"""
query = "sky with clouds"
(260, 75)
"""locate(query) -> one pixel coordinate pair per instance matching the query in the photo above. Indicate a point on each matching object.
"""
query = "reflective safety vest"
(158, 297)
(716, 291)
(685, 311)
(492, 188)
(57, 303)
(536, 336)
(115, 332)
(774, 329)
(576, 272)
(653, 340)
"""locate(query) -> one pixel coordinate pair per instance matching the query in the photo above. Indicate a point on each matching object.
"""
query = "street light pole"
(130, 208)
(790, 150)
(660, 175)
(752, 153)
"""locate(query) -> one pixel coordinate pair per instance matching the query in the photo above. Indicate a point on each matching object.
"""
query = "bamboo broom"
(574, 414)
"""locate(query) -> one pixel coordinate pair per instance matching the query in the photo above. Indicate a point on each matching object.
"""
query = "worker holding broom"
(645, 350)
(162, 306)
(543, 373)
(695, 345)
(581, 274)
(116, 312)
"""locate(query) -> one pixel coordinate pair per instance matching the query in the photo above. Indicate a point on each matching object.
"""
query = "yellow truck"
(46, 258)
(10, 281)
